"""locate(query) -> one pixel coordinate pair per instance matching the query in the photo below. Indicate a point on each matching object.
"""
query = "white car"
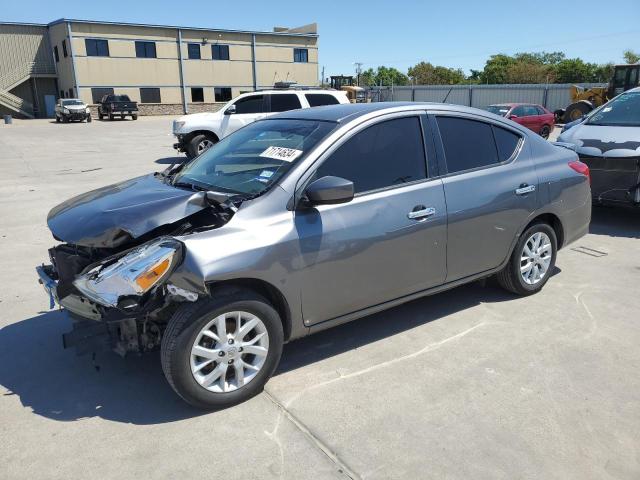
(68, 109)
(199, 131)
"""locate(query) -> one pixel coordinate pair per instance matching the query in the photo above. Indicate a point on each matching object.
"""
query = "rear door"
(490, 186)
(390, 240)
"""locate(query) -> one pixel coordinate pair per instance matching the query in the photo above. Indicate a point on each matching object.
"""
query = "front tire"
(111, 117)
(134, 117)
(532, 261)
(89, 119)
(200, 143)
(219, 352)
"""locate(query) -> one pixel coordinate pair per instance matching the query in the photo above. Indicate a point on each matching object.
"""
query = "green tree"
(528, 72)
(575, 70)
(385, 75)
(495, 69)
(631, 57)
(425, 73)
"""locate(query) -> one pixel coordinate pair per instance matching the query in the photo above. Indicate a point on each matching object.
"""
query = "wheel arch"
(263, 288)
(209, 133)
(553, 221)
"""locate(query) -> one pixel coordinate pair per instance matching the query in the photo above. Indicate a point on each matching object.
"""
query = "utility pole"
(322, 78)
(358, 71)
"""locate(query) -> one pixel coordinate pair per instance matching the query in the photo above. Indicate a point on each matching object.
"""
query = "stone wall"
(168, 108)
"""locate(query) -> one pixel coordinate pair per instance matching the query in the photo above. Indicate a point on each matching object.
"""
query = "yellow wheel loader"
(583, 100)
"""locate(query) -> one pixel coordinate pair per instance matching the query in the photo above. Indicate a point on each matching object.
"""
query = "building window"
(71, 93)
(61, 93)
(64, 49)
(222, 94)
(146, 49)
(197, 94)
(56, 54)
(150, 95)
(194, 51)
(300, 55)
(98, 93)
(220, 52)
(96, 48)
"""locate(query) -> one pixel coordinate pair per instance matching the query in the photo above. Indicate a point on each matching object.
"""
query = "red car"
(534, 117)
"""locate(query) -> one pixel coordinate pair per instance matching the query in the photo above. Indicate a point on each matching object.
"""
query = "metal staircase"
(13, 78)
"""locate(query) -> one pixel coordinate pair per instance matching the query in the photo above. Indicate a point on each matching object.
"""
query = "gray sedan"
(304, 221)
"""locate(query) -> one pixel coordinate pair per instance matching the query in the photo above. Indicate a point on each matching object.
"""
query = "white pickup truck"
(199, 131)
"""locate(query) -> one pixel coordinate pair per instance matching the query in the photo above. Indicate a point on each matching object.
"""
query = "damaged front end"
(115, 286)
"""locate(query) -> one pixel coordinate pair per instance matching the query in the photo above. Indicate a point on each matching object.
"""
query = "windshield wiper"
(192, 186)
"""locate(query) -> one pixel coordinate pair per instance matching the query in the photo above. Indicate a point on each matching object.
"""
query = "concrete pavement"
(471, 383)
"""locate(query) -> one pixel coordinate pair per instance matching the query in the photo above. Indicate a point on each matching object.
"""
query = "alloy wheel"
(204, 145)
(535, 258)
(229, 351)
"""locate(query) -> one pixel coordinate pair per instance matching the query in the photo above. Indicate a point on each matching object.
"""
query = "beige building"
(166, 69)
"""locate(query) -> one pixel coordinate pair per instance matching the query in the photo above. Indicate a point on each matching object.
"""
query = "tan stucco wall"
(64, 67)
(126, 73)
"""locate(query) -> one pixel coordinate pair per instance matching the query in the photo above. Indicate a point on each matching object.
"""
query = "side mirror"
(329, 191)
(512, 116)
(230, 110)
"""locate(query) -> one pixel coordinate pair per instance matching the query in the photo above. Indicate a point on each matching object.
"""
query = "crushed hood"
(597, 140)
(113, 216)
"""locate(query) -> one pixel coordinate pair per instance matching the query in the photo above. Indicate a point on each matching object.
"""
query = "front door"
(50, 105)
(490, 191)
(248, 110)
(389, 241)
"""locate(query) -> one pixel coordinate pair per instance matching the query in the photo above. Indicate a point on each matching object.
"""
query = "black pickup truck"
(112, 106)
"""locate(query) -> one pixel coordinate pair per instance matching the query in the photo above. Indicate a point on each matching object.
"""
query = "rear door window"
(467, 144)
(318, 99)
(386, 154)
(284, 102)
(519, 111)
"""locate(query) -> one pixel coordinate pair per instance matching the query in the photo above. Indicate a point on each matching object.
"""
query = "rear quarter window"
(507, 142)
(319, 99)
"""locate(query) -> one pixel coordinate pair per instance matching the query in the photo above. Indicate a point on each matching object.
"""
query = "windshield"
(255, 157)
(72, 102)
(498, 109)
(622, 111)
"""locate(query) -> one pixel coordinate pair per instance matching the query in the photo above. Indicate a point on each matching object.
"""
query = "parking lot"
(471, 383)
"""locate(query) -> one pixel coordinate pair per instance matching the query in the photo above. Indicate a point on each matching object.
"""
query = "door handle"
(524, 189)
(422, 213)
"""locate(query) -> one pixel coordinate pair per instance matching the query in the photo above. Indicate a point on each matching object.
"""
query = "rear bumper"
(614, 180)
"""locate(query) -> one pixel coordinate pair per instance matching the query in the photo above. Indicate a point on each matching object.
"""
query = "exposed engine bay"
(128, 252)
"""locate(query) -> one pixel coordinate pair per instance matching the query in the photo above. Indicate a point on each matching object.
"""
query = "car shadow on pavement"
(57, 384)
(615, 221)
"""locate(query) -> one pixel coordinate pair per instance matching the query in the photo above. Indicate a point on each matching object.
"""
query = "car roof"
(293, 90)
(347, 112)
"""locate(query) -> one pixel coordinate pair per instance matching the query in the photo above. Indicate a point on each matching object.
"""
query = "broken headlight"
(132, 274)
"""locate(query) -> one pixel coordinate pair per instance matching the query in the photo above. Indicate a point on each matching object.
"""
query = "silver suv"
(306, 220)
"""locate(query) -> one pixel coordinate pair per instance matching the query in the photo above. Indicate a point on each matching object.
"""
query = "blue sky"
(400, 33)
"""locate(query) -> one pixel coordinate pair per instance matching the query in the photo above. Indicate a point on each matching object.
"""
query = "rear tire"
(111, 117)
(529, 260)
(200, 143)
(57, 119)
(545, 131)
(198, 379)
(134, 117)
(89, 119)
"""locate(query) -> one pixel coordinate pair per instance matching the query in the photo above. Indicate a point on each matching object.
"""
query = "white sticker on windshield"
(266, 174)
(281, 153)
(607, 109)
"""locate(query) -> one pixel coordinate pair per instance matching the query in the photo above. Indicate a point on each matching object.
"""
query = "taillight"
(581, 168)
